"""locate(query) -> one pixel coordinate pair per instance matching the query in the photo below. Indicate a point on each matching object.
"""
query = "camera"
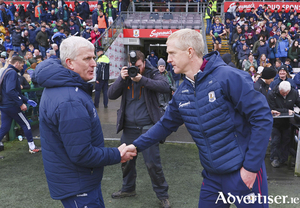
(133, 70)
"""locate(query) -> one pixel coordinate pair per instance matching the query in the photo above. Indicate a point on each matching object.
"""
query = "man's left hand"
(248, 177)
(137, 78)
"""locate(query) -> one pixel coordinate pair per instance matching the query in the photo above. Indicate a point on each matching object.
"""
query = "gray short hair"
(52, 53)
(285, 86)
(188, 38)
(70, 48)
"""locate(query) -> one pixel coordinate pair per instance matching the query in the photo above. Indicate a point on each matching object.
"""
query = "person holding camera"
(139, 86)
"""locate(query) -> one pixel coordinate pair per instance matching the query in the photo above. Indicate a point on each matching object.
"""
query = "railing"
(173, 7)
(112, 32)
(144, 9)
(179, 20)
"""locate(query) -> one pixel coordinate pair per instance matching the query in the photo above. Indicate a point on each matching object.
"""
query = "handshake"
(127, 152)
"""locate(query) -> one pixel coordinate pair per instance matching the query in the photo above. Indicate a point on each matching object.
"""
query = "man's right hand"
(127, 152)
(291, 112)
(124, 72)
(23, 107)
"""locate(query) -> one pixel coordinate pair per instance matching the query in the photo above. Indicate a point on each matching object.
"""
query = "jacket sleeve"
(253, 106)
(25, 84)
(157, 83)
(277, 54)
(75, 131)
(12, 18)
(297, 79)
(240, 55)
(116, 89)
(11, 91)
(268, 52)
(168, 123)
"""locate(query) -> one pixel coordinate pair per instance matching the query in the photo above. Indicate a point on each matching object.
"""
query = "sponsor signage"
(93, 4)
(271, 4)
(148, 33)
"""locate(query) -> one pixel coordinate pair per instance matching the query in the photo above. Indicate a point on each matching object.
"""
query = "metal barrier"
(32, 113)
(112, 32)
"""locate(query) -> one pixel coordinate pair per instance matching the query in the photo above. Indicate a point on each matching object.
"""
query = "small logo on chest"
(212, 96)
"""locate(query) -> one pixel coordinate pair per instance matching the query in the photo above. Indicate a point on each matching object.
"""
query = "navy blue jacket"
(85, 10)
(71, 135)
(230, 122)
(12, 8)
(265, 49)
(277, 80)
(297, 80)
(86, 35)
(153, 60)
(75, 30)
(32, 34)
(16, 38)
(95, 17)
(11, 90)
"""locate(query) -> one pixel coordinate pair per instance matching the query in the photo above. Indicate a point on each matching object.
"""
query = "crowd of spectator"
(265, 43)
(39, 29)
(263, 37)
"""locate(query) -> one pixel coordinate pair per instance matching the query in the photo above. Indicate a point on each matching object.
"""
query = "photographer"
(139, 110)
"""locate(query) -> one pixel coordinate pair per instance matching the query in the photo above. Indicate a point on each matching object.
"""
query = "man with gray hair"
(71, 135)
(282, 99)
(55, 48)
(229, 121)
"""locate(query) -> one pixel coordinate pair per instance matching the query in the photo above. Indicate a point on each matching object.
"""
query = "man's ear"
(69, 63)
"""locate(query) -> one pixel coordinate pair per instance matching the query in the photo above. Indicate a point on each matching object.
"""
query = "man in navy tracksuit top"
(71, 135)
(229, 121)
(14, 103)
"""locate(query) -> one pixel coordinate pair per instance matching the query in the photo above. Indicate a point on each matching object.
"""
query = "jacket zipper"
(200, 125)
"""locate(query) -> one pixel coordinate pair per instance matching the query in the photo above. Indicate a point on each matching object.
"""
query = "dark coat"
(277, 102)
(262, 87)
(42, 39)
(17, 38)
(85, 10)
(32, 34)
(153, 82)
(11, 90)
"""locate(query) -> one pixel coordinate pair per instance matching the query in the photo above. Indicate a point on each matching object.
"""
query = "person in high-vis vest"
(115, 3)
(102, 77)
(105, 5)
(102, 22)
(38, 10)
(208, 17)
(214, 7)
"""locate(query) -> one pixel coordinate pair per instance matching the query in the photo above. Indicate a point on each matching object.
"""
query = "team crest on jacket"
(211, 96)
